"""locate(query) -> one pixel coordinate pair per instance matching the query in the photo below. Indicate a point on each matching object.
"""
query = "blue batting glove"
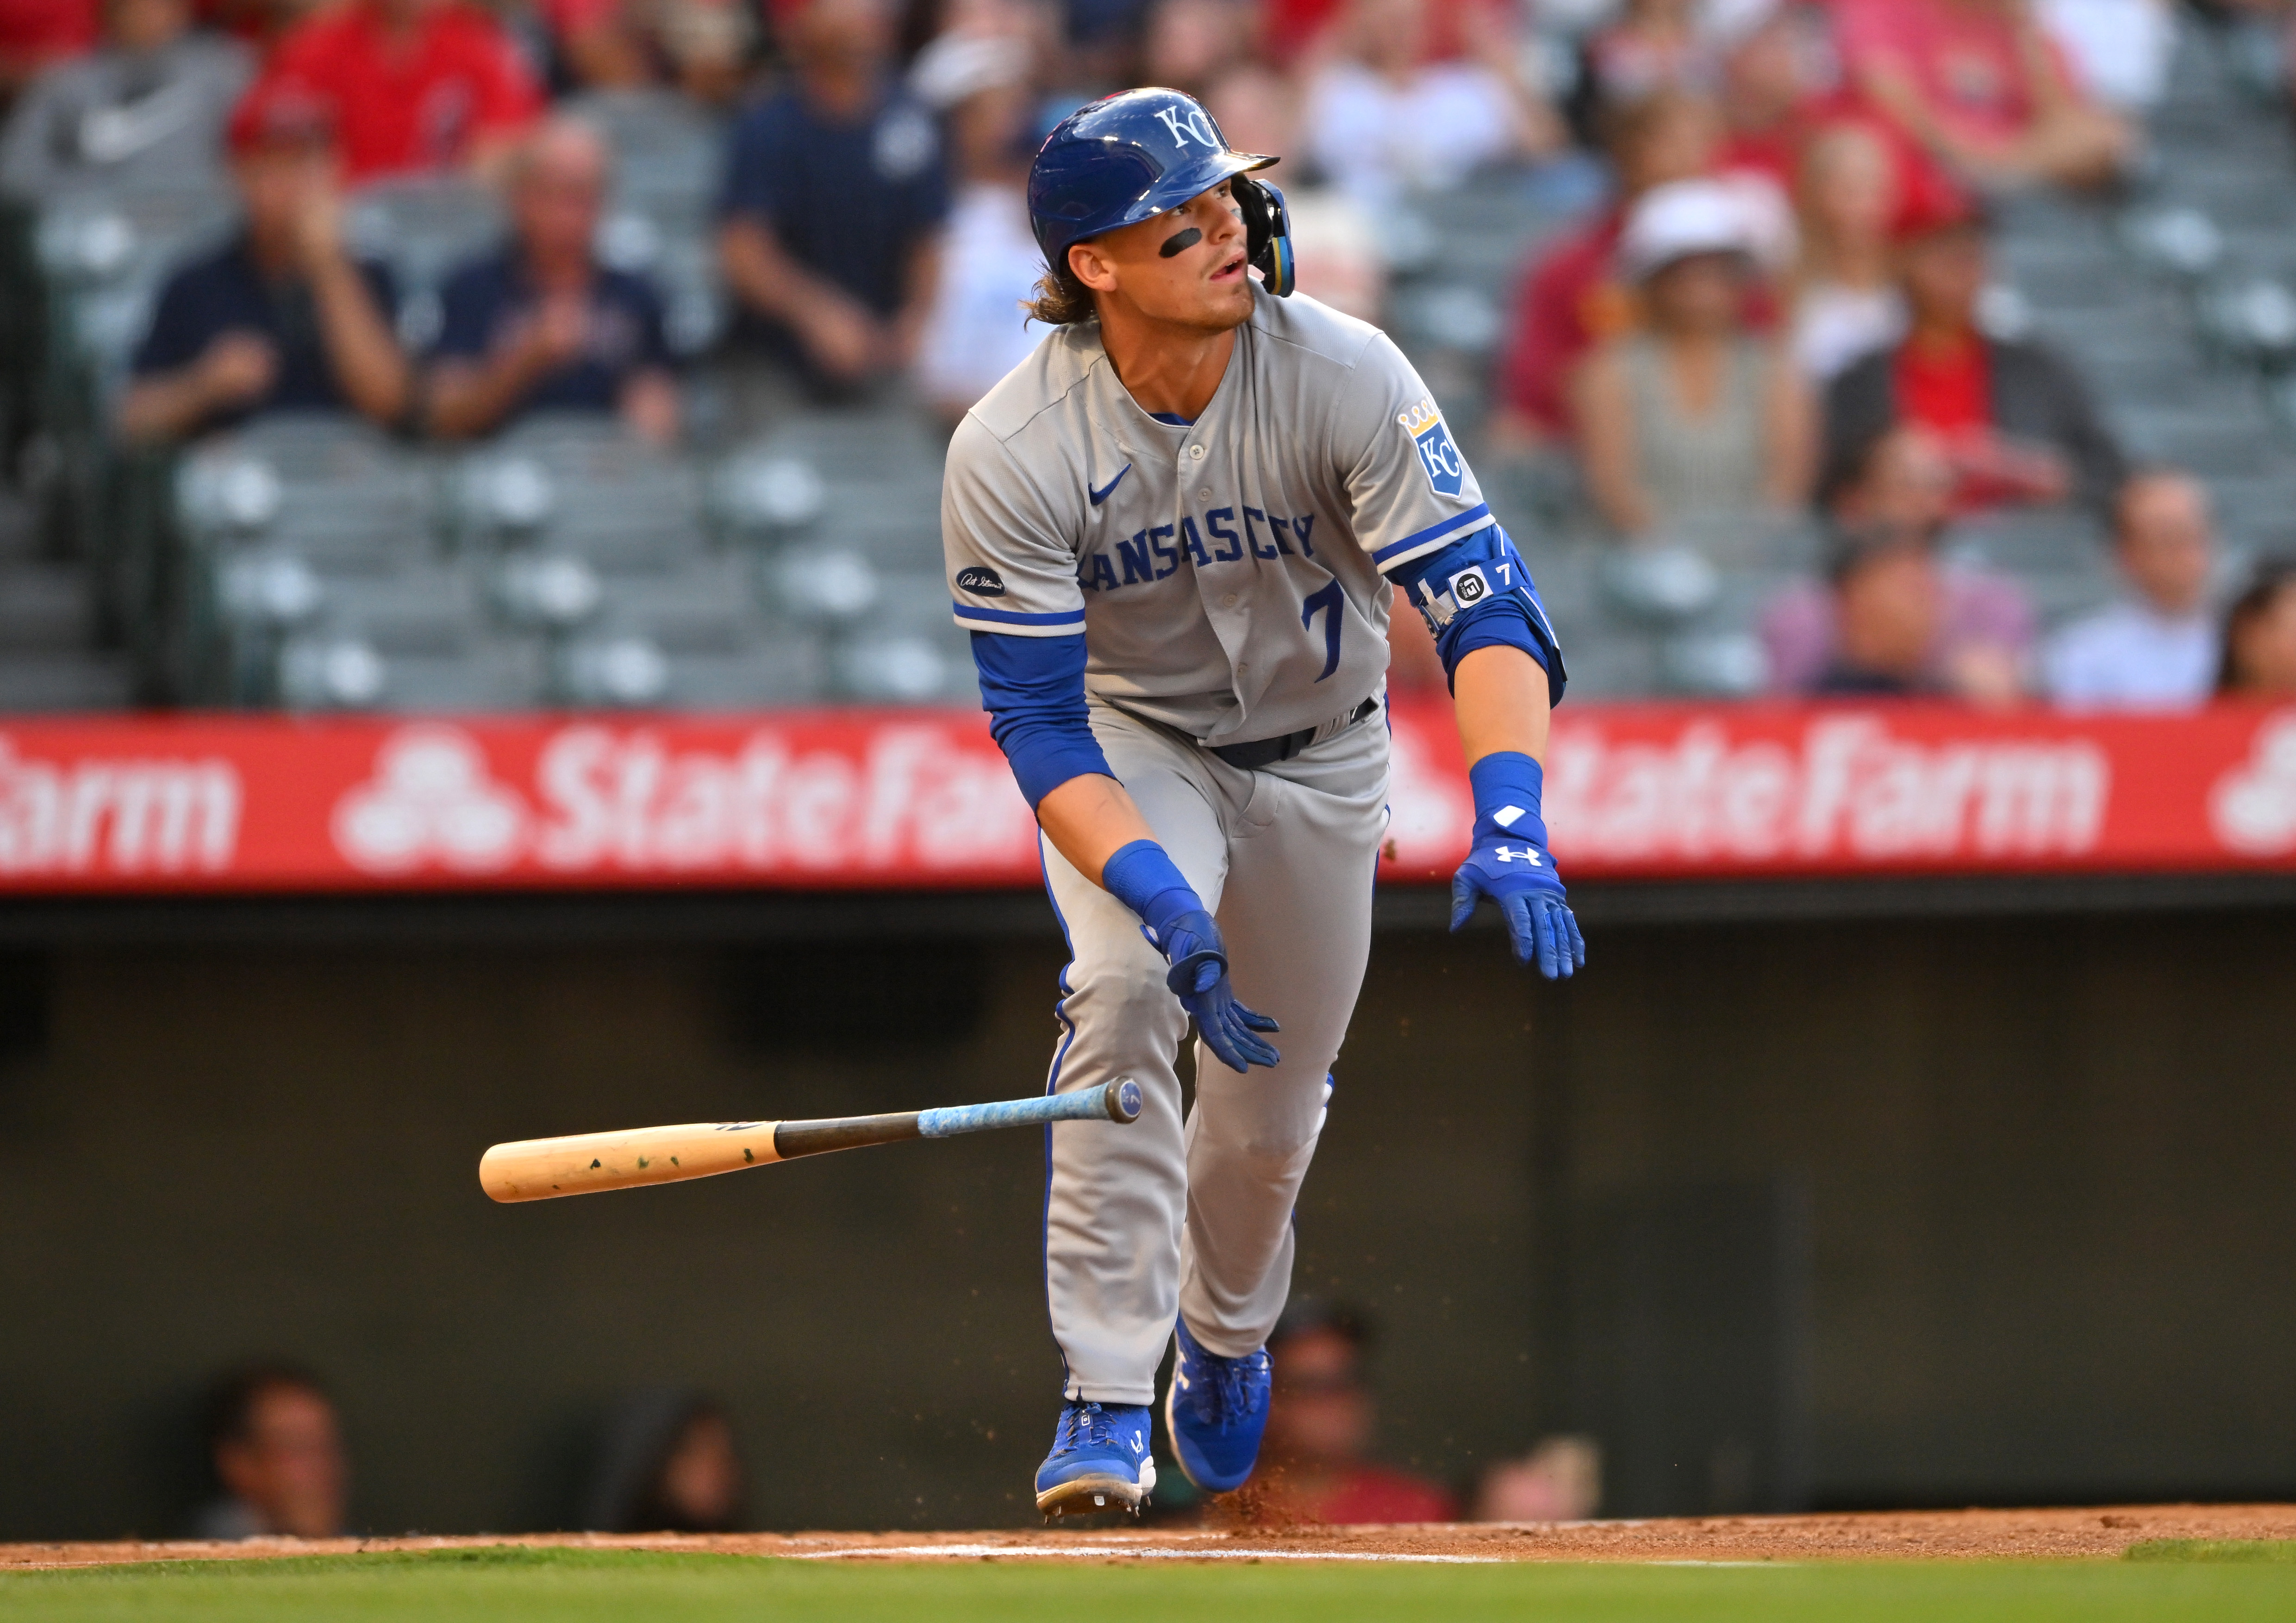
(1145, 878)
(1509, 864)
(1190, 943)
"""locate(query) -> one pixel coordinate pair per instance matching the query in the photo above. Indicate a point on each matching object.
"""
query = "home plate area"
(2097, 1533)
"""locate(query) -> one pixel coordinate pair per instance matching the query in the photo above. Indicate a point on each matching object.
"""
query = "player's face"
(1184, 266)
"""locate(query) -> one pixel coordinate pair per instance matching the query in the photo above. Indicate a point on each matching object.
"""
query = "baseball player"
(1173, 533)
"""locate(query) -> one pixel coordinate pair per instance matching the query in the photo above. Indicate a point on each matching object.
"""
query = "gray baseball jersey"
(1224, 573)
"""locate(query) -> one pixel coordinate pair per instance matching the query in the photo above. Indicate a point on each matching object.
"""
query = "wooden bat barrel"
(585, 1163)
(588, 1163)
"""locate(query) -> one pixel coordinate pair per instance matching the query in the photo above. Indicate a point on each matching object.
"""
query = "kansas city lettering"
(1228, 535)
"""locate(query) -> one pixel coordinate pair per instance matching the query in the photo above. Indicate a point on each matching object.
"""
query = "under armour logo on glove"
(1519, 875)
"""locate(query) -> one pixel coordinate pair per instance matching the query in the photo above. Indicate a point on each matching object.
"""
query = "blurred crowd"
(274, 1463)
(1774, 302)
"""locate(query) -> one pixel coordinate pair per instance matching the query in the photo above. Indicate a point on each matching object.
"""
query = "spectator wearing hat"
(2259, 637)
(282, 318)
(1316, 1455)
(2157, 649)
(541, 325)
(1891, 617)
(1568, 299)
(276, 1450)
(2018, 423)
(835, 197)
(1982, 88)
(150, 105)
(1693, 414)
(418, 86)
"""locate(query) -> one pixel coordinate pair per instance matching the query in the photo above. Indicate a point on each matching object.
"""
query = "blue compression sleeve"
(1033, 689)
(1144, 878)
(1476, 593)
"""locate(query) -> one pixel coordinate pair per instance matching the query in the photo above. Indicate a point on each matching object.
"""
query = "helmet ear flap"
(1267, 234)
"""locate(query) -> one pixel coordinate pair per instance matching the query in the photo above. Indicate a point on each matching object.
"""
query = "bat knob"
(1124, 1099)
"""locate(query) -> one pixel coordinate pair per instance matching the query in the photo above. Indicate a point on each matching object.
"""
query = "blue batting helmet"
(1125, 157)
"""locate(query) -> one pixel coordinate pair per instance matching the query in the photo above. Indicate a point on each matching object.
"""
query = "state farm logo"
(597, 798)
(117, 815)
(1849, 789)
(2253, 808)
(431, 800)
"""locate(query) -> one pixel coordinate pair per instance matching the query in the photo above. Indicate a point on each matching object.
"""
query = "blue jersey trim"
(1012, 616)
(1394, 550)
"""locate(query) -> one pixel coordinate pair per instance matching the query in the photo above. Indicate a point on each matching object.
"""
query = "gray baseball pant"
(1161, 1218)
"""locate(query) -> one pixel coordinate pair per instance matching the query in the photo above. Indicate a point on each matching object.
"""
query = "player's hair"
(1061, 299)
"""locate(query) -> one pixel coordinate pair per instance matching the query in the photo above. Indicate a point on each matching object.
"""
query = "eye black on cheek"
(1180, 241)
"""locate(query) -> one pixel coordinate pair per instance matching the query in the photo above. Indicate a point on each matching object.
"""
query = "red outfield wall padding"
(843, 798)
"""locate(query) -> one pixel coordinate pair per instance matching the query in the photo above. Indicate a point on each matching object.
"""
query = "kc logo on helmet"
(1187, 125)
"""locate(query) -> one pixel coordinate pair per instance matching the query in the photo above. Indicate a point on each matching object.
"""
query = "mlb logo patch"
(1445, 469)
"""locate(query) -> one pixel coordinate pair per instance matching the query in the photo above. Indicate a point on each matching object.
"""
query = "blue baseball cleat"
(1100, 1460)
(1215, 1410)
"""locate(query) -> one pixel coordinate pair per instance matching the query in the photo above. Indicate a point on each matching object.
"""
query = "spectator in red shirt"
(1570, 301)
(1981, 88)
(2016, 423)
(417, 84)
(1319, 1422)
(1770, 92)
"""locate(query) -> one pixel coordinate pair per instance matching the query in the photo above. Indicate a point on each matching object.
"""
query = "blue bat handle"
(1119, 1101)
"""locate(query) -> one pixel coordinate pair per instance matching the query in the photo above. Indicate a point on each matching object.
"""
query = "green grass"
(2276, 1551)
(509, 1585)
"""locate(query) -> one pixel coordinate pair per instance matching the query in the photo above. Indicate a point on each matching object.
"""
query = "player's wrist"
(1144, 878)
(1507, 787)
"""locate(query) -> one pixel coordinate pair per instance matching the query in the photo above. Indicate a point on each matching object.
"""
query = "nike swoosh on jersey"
(1101, 494)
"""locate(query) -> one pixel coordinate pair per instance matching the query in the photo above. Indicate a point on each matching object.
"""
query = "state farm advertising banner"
(849, 798)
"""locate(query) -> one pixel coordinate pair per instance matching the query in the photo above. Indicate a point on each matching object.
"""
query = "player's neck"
(1169, 372)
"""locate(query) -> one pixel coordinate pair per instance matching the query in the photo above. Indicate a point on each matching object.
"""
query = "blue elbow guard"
(1478, 594)
(1033, 689)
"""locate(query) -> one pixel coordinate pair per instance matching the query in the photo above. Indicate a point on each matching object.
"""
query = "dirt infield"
(1939, 1534)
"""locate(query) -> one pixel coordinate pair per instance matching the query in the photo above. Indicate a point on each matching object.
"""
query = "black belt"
(1266, 751)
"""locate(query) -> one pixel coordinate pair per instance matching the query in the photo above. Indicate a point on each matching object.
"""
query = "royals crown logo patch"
(1445, 469)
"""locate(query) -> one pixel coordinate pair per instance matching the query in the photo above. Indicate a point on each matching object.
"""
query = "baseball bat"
(585, 1163)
